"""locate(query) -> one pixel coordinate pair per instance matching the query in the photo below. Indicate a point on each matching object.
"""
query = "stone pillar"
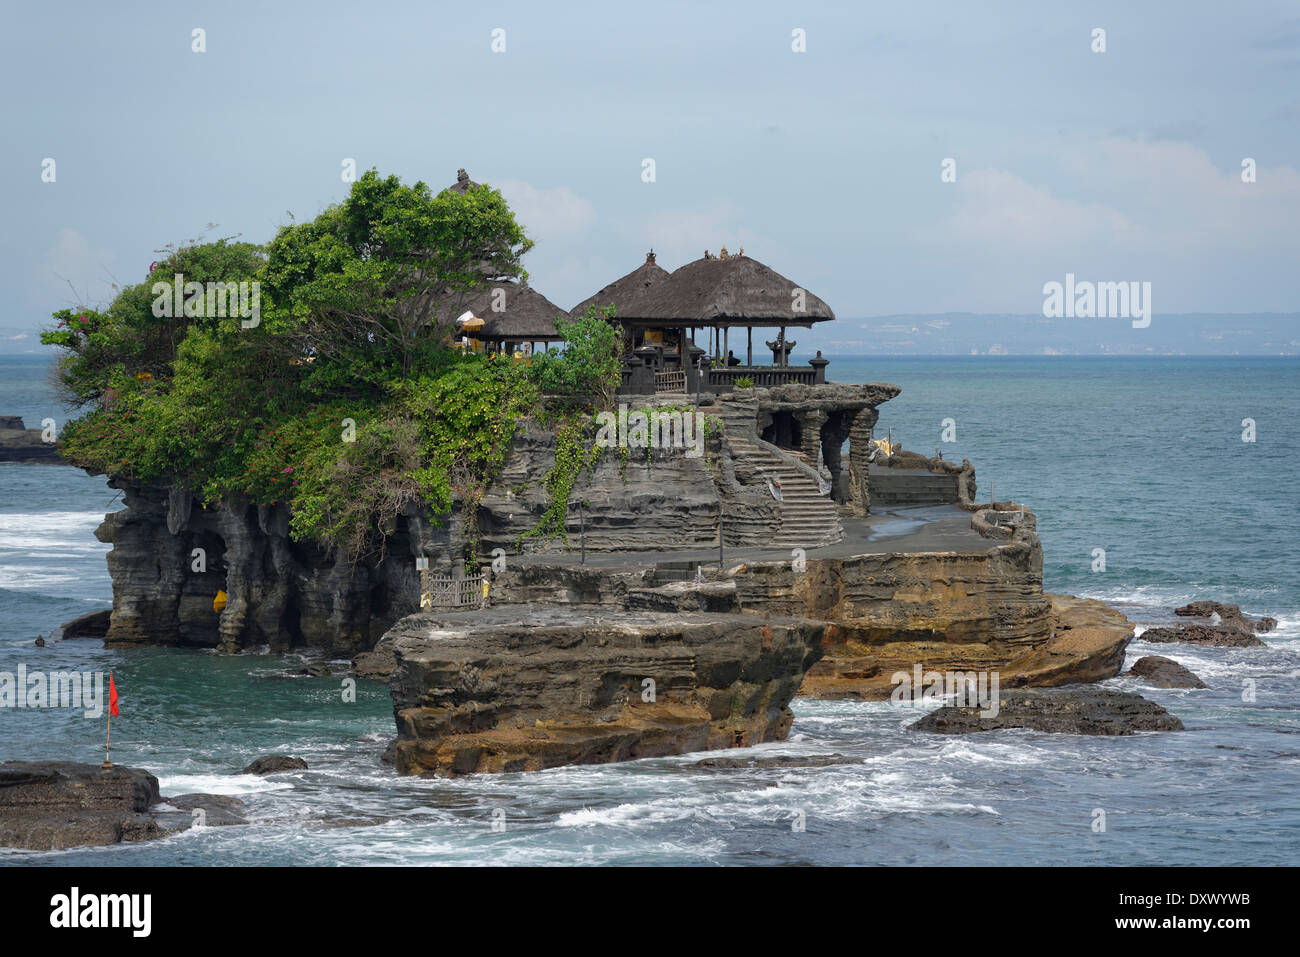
(810, 433)
(834, 433)
(859, 448)
(819, 367)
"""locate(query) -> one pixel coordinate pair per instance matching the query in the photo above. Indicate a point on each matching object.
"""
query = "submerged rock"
(1164, 673)
(1057, 711)
(1213, 635)
(274, 764)
(520, 689)
(52, 805)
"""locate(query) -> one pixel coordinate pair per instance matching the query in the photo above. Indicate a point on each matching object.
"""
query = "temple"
(666, 316)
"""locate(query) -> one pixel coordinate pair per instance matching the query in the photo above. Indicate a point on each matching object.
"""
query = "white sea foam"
(233, 784)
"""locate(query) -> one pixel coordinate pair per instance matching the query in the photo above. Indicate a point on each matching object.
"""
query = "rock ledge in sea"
(275, 764)
(54, 805)
(1164, 673)
(1230, 616)
(520, 689)
(1213, 635)
(1057, 711)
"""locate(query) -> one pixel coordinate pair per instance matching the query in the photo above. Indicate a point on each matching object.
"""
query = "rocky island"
(636, 544)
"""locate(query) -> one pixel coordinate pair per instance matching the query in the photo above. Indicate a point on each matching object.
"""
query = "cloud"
(75, 272)
(1120, 208)
(997, 207)
(548, 213)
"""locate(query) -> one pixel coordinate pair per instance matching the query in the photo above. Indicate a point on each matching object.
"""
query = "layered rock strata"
(507, 690)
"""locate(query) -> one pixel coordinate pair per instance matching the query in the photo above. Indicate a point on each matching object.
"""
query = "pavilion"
(506, 317)
(664, 315)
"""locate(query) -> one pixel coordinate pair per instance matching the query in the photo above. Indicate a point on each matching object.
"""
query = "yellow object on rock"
(219, 602)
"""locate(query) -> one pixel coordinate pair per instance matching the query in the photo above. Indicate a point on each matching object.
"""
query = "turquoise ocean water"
(1141, 457)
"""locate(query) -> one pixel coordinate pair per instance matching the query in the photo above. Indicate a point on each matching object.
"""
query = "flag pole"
(108, 738)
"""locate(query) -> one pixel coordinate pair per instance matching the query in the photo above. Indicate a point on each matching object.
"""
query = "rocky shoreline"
(55, 805)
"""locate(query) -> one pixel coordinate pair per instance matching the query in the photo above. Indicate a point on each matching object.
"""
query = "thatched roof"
(625, 292)
(463, 183)
(735, 290)
(527, 316)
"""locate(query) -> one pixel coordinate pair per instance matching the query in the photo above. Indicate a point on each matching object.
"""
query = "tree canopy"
(345, 399)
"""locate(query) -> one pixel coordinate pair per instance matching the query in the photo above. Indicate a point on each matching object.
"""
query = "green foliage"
(589, 364)
(575, 451)
(744, 382)
(355, 306)
(128, 334)
(374, 284)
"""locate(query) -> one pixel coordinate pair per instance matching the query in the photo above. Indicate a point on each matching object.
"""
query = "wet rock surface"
(1164, 673)
(1230, 616)
(93, 624)
(1213, 635)
(512, 689)
(275, 764)
(1057, 711)
(53, 805)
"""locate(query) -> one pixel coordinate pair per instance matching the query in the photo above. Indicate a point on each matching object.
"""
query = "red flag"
(112, 696)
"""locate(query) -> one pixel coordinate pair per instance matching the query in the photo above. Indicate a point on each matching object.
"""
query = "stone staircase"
(808, 518)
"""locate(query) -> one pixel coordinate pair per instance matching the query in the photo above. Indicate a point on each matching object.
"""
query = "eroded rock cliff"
(509, 690)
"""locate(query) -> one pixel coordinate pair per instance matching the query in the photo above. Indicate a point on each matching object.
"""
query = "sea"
(1148, 463)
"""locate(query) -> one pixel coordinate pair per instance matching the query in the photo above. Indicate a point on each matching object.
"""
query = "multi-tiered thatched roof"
(625, 293)
(726, 291)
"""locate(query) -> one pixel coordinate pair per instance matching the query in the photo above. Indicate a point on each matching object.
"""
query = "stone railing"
(762, 376)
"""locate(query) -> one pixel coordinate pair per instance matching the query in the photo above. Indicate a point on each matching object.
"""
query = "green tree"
(589, 363)
(376, 283)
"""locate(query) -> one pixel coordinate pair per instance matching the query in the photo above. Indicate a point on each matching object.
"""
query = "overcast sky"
(825, 164)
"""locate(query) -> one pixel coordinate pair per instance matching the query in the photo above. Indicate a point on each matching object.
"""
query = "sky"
(825, 164)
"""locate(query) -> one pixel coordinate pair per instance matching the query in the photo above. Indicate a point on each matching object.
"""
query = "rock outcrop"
(26, 446)
(1215, 636)
(53, 805)
(171, 558)
(275, 764)
(1230, 616)
(93, 624)
(1086, 641)
(1057, 711)
(1164, 673)
(509, 689)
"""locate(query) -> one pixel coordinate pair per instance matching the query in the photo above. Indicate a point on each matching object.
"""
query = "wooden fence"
(444, 591)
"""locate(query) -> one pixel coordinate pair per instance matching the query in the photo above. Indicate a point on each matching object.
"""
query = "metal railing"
(444, 591)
